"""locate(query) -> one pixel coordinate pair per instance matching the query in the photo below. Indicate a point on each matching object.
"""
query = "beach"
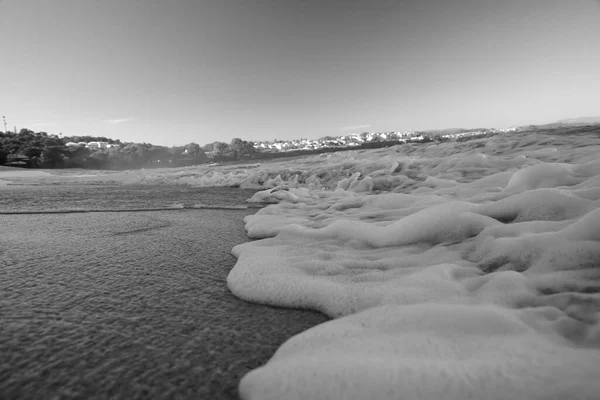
(300, 200)
(128, 305)
(452, 270)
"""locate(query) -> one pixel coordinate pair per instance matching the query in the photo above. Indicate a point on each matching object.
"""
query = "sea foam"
(450, 271)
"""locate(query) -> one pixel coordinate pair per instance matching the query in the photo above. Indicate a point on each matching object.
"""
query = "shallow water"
(453, 270)
(128, 305)
(21, 198)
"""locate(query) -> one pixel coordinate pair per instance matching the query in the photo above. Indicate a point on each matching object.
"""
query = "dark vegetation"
(30, 149)
(40, 150)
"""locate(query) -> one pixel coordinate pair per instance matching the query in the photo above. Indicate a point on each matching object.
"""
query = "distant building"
(91, 145)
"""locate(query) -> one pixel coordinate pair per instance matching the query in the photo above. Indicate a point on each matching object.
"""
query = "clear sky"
(174, 71)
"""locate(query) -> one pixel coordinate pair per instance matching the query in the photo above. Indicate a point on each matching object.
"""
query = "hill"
(580, 121)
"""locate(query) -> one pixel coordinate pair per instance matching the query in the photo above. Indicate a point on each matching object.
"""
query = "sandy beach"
(130, 306)
(448, 271)
(300, 200)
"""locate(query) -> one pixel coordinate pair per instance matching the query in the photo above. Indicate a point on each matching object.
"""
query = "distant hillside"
(562, 128)
(580, 121)
(562, 124)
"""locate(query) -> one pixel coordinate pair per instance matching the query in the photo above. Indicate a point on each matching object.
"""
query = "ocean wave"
(450, 271)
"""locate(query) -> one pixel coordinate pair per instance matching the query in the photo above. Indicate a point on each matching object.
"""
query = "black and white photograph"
(300, 199)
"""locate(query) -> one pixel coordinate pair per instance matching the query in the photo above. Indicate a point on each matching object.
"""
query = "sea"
(106, 198)
(119, 292)
(450, 270)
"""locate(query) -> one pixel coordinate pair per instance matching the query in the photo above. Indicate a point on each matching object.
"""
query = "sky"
(171, 72)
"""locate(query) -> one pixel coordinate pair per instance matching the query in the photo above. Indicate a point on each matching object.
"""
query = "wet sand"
(129, 305)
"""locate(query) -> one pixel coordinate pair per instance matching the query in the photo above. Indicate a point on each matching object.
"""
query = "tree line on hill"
(41, 150)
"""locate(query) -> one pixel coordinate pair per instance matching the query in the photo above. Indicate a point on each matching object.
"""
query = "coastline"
(469, 243)
(130, 306)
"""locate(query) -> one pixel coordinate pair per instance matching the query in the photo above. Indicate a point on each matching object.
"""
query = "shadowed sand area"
(130, 306)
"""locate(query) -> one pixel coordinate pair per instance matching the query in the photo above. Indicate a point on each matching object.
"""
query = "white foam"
(475, 274)
(427, 351)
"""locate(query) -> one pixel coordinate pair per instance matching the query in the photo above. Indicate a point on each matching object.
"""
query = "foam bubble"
(474, 275)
